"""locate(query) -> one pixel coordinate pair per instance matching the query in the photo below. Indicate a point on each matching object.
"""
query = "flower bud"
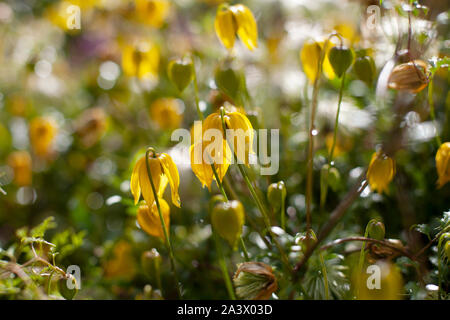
(365, 69)
(306, 240)
(276, 194)
(254, 281)
(64, 289)
(376, 229)
(227, 219)
(443, 164)
(228, 81)
(341, 58)
(381, 171)
(410, 76)
(216, 199)
(151, 263)
(181, 73)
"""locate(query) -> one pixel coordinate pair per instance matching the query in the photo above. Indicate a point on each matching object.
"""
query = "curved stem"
(432, 114)
(197, 100)
(163, 224)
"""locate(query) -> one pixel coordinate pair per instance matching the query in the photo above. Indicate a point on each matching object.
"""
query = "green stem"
(163, 224)
(325, 275)
(223, 267)
(282, 213)
(362, 257)
(197, 100)
(432, 114)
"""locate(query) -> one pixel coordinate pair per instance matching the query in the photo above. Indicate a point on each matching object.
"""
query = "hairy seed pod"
(254, 281)
(410, 76)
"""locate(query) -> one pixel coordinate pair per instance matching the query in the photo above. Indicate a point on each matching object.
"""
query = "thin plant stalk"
(223, 267)
(163, 224)
(325, 276)
(197, 100)
(432, 114)
(282, 213)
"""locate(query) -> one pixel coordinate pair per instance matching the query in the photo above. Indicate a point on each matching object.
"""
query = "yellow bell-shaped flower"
(148, 218)
(42, 134)
(310, 56)
(152, 12)
(163, 171)
(381, 171)
(20, 162)
(214, 145)
(236, 19)
(141, 60)
(122, 264)
(443, 164)
(166, 113)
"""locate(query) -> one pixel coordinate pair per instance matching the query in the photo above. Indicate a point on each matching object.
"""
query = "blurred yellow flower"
(213, 148)
(149, 219)
(343, 144)
(122, 265)
(163, 171)
(20, 162)
(166, 113)
(236, 19)
(90, 126)
(152, 12)
(383, 282)
(42, 134)
(443, 164)
(310, 56)
(348, 31)
(141, 60)
(381, 171)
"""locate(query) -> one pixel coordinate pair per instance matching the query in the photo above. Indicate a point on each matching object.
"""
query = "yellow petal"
(150, 221)
(380, 173)
(144, 182)
(225, 26)
(171, 172)
(443, 164)
(134, 182)
(202, 170)
(246, 26)
(242, 138)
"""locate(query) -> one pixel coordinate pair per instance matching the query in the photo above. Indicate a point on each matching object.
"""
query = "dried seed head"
(254, 281)
(409, 77)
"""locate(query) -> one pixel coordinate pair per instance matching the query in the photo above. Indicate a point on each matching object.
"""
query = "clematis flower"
(214, 148)
(443, 164)
(152, 12)
(163, 171)
(236, 19)
(148, 218)
(141, 60)
(310, 56)
(381, 171)
(42, 134)
(20, 162)
(166, 113)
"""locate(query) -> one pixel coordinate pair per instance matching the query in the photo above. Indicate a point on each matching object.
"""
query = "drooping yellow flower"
(443, 164)
(214, 146)
(122, 264)
(381, 171)
(20, 162)
(236, 19)
(148, 218)
(310, 56)
(163, 171)
(42, 133)
(166, 113)
(152, 12)
(141, 60)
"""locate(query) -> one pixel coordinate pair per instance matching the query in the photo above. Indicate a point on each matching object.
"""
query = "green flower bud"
(365, 70)
(254, 281)
(216, 199)
(229, 82)
(64, 290)
(227, 219)
(376, 229)
(341, 58)
(306, 240)
(276, 194)
(181, 73)
(151, 263)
